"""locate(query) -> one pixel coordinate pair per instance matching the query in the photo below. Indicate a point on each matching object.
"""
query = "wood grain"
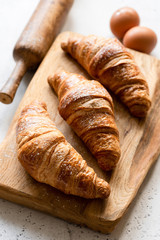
(139, 139)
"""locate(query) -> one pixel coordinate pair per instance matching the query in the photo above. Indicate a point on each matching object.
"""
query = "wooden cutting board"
(139, 139)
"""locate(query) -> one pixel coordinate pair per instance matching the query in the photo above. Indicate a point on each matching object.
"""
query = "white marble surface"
(142, 220)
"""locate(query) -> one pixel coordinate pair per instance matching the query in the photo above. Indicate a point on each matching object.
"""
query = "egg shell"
(122, 20)
(140, 38)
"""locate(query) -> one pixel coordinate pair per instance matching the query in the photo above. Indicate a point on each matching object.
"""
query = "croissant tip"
(109, 161)
(49, 80)
(42, 104)
(64, 46)
(140, 110)
(102, 189)
(35, 103)
(56, 79)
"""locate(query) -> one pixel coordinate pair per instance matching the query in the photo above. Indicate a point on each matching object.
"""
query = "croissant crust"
(49, 158)
(108, 61)
(88, 109)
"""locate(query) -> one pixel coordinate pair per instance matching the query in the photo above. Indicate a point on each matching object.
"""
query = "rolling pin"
(34, 42)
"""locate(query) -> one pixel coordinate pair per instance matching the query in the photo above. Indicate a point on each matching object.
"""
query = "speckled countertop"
(142, 221)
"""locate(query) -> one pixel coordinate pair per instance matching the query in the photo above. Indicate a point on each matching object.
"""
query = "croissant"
(108, 61)
(88, 109)
(49, 158)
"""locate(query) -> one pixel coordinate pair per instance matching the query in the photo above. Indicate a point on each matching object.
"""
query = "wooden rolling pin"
(34, 42)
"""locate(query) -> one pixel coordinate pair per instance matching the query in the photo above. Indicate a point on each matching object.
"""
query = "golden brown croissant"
(88, 109)
(108, 61)
(49, 158)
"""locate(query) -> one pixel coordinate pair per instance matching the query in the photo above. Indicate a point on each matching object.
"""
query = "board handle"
(9, 89)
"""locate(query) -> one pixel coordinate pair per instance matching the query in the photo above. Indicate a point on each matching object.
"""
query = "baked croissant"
(88, 109)
(49, 158)
(108, 61)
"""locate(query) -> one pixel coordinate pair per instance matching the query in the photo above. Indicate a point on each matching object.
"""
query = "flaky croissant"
(108, 61)
(88, 109)
(49, 158)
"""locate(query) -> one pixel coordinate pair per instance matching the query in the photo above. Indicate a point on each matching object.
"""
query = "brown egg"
(122, 20)
(142, 39)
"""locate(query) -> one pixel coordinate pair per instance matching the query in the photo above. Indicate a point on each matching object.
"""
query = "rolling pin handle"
(8, 91)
